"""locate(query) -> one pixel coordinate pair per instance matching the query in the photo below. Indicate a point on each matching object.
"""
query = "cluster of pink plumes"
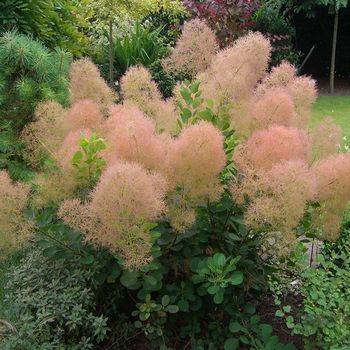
(155, 170)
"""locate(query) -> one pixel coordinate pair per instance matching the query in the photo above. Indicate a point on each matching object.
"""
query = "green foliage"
(152, 316)
(51, 305)
(107, 10)
(249, 332)
(323, 319)
(192, 292)
(10, 153)
(194, 108)
(270, 20)
(215, 274)
(166, 82)
(55, 23)
(31, 74)
(169, 22)
(142, 46)
(87, 160)
(326, 304)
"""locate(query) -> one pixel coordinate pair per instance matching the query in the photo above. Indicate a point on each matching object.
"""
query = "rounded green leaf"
(165, 300)
(183, 305)
(234, 327)
(173, 309)
(231, 344)
(237, 278)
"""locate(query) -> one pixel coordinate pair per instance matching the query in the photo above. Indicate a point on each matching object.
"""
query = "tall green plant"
(143, 46)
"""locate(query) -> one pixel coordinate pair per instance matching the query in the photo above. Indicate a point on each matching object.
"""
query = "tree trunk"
(334, 49)
(111, 44)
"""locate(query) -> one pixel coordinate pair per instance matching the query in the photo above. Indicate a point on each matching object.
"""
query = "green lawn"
(338, 107)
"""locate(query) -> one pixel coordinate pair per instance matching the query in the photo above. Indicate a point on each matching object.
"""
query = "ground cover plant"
(174, 214)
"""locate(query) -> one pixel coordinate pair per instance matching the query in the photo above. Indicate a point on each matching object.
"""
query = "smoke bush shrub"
(183, 213)
(30, 74)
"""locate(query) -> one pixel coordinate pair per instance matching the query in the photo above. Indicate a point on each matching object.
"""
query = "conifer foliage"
(30, 73)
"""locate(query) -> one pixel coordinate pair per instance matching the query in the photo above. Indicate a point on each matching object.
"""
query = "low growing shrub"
(50, 305)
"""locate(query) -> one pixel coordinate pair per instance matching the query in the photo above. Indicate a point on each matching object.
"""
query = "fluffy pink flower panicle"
(86, 83)
(194, 50)
(131, 136)
(302, 90)
(282, 196)
(233, 74)
(276, 181)
(266, 148)
(139, 89)
(15, 229)
(83, 114)
(275, 107)
(326, 138)
(44, 135)
(333, 193)
(279, 77)
(194, 162)
(123, 206)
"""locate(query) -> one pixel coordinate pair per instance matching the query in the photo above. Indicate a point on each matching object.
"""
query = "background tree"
(308, 7)
(56, 23)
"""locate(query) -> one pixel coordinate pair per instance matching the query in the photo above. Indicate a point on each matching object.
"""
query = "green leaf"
(206, 114)
(244, 339)
(129, 279)
(194, 87)
(250, 309)
(213, 289)
(183, 305)
(197, 102)
(149, 279)
(254, 319)
(219, 259)
(287, 308)
(234, 327)
(77, 157)
(173, 309)
(186, 95)
(210, 103)
(186, 113)
(266, 330)
(165, 300)
(231, 344)
(290, 321)
(279, 313)
(219, 297)
(237, 278)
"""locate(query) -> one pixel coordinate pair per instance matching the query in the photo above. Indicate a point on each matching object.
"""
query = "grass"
(337, 107)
